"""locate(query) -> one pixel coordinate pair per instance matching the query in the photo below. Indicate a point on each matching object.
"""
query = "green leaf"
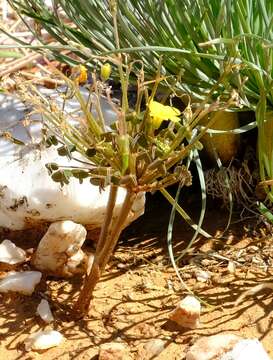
(61, 176)
(91, 152)
(65, 150)
(52, 140)
(96, 181)
(52, 167)
(265, 211)
(80, 174)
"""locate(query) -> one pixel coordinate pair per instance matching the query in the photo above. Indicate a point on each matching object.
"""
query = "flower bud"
(83, 75)
(79, 74)
(105, 71)
(124, 148)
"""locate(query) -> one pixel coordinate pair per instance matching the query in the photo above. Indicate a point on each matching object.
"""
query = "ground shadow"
(139, 289)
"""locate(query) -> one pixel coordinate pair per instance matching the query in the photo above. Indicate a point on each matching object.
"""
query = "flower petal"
(173, 111)
(160, 112)
(174, 119)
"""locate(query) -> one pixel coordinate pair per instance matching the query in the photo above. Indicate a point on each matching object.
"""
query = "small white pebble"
(42, 340)
(43, 310)
(113, 351)
(22, 282)
(154, 347)
(187, 312)
(202, 276)
(11, 254)
(122, 266)
(231, 267)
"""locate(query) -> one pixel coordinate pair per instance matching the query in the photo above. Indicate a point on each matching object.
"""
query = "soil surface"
(140, 288)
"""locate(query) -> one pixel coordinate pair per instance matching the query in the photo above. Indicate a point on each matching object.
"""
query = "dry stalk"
(254, 291)
(241, 185)
(21, 63)
(42, 80)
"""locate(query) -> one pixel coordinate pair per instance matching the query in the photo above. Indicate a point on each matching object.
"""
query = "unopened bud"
(105, 71)
(79, 74)
(124, 148)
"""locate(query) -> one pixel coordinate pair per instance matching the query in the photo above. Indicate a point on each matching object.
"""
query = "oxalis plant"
(147, 148)
(196, 37)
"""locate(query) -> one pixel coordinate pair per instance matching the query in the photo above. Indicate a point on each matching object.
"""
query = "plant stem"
(108, 217)
(108, 239)
(116, 228)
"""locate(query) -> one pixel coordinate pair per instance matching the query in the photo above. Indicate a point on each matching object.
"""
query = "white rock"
(11, 254)
(29, 196)
(231, 267)
(247, 349)
(187, 312)
(113, 351)
(59, 252)
(153, 348)
(42, 340)
(202, 276)
(44, 311)
(22, 282)
(212, 347)
(75, 261)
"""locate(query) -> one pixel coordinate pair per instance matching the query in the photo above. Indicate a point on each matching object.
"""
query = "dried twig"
(21, 63)
(256, 289)
(42, 80)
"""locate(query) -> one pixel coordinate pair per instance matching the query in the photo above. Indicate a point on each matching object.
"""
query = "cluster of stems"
(110, 232)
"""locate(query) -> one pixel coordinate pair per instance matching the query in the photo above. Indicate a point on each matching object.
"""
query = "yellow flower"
(79, 74)
(160, 112)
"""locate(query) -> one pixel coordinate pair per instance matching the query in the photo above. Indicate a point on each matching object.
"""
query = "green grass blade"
(183, 213)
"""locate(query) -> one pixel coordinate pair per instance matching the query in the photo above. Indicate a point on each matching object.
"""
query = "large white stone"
(22, 282)
(28, 195)
(59, 252)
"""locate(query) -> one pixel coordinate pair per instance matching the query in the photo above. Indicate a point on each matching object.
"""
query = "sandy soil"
(140, 288)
